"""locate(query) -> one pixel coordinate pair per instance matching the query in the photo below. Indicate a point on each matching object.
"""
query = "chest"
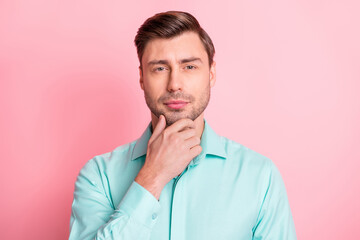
(207, 204)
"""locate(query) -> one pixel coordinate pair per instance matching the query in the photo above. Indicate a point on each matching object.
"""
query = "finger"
(160, 126)
(180, 125)
(186, 134)
(192, 142)
(195, 151)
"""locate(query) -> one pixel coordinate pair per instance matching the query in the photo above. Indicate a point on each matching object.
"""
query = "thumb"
(161, 124)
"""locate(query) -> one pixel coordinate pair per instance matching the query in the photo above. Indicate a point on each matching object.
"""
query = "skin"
(174, 69)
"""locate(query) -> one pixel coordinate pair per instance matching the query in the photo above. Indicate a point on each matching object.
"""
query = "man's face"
(176, 77)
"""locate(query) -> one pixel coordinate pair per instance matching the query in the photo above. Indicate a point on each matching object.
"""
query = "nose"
(175, 81)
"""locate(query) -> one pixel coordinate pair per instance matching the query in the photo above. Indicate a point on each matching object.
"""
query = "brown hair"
(170, 24)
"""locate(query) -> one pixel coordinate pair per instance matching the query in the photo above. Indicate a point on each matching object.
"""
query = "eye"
(159, 69)
(190, 67)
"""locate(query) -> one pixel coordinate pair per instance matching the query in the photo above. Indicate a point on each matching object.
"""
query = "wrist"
(150, 182)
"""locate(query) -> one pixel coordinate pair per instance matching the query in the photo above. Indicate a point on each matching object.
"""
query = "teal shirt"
(227, 192)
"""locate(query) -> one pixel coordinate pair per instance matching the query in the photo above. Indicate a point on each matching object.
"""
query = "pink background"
(288, 81)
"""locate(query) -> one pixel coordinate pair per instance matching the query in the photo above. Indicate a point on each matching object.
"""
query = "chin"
(172, 118)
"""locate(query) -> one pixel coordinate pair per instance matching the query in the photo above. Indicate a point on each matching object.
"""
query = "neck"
(199, 123)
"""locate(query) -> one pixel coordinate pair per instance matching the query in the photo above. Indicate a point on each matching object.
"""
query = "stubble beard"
(173, 115)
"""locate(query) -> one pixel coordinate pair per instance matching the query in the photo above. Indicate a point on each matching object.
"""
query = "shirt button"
(154, 216)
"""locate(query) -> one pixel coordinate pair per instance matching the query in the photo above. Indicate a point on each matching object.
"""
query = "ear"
(212, 74)
(141, 78)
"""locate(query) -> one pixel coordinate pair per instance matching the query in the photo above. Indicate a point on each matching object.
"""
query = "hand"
(169, 152)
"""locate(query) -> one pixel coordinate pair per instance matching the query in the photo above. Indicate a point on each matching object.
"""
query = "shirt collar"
(211, 144)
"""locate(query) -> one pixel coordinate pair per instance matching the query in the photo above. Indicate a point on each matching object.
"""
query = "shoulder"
(248, 162)
(253, 166)
(242, 154)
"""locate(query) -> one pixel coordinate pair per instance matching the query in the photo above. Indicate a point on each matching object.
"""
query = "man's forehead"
(185, 46)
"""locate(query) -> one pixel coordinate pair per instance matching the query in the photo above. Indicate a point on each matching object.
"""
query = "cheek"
(152, 91)
(199, 83)
(156, 85)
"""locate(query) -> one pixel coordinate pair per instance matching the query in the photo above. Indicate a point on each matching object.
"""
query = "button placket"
(175, 216)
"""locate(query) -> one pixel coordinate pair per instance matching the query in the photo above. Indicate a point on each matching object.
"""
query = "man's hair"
(168, 25)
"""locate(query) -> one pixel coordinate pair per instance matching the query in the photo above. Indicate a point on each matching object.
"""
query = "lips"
(176, 104)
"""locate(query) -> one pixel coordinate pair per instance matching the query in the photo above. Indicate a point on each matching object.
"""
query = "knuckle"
(174, 138)
(187, 121)
(196, 140)
(191, 123)
(181, 121)
(165, 133)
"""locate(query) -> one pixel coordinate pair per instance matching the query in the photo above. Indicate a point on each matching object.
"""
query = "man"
(179, 180)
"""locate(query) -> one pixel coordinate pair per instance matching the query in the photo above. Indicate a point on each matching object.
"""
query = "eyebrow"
(185, 60)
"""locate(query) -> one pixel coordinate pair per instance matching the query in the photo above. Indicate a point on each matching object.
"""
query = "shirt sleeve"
(94, 217)
(275, 219)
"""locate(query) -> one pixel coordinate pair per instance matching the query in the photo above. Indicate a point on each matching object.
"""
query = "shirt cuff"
(140, 205)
